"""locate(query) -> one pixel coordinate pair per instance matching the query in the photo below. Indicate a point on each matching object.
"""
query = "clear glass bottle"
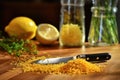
(72, 31)
(103, 28)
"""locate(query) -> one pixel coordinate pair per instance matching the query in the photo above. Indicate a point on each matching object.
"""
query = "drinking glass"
(72, 30)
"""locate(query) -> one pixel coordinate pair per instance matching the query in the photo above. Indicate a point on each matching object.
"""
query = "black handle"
(95, 57)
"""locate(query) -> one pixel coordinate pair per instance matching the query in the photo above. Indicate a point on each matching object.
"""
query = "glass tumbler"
(72, 31)
(103, 28)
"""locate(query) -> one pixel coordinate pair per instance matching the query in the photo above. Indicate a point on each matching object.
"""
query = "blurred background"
(42, 11)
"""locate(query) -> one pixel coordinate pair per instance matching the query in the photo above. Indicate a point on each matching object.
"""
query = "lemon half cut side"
(46, 33)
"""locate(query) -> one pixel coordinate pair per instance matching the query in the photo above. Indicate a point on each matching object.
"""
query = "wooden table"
(112, 71)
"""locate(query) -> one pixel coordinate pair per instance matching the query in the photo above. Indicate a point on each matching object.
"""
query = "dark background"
(42, 11)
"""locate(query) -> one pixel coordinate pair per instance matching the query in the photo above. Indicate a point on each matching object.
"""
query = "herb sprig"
(18, 46)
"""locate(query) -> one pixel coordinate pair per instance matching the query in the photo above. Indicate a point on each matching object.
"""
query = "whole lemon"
(21, 27)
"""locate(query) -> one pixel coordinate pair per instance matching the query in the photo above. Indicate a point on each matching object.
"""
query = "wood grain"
(111, 72)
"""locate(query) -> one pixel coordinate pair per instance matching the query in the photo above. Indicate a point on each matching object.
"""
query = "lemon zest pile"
(71, 35)
(77, 66)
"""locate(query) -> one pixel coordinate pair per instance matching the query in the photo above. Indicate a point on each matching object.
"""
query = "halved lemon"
(47, 33)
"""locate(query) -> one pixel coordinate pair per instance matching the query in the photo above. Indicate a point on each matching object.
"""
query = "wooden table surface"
(112, 71)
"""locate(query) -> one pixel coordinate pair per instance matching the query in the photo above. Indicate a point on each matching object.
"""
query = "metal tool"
(97, 57)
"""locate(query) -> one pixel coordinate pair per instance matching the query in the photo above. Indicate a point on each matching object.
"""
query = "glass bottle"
(72, 31)
(103, 28)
